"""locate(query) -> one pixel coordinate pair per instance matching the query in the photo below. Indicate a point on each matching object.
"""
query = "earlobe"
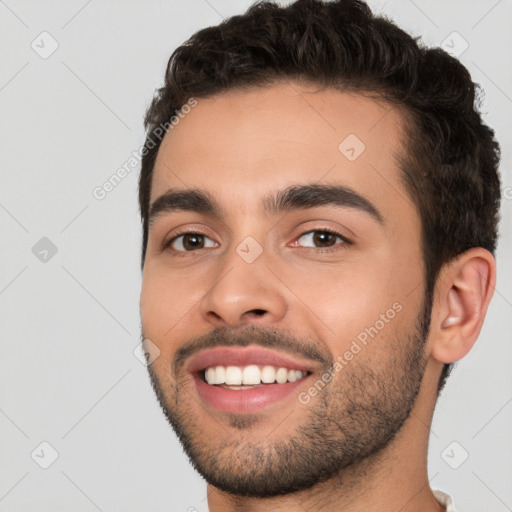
(465, 288)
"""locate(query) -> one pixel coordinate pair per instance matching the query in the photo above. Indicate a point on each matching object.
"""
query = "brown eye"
(188, 242)
(322, 238)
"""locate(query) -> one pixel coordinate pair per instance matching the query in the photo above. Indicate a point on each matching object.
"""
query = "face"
(283, 286)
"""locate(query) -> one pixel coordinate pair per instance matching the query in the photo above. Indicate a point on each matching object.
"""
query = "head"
(269, 101)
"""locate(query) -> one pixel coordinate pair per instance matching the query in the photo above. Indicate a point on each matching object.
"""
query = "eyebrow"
(296, 197)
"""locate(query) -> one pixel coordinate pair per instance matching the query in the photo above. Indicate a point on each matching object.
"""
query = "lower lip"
(245, 400)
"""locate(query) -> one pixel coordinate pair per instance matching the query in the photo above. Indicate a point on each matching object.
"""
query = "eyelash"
(345, 240)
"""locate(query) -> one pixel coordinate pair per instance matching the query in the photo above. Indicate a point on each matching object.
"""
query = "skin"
(241, 146)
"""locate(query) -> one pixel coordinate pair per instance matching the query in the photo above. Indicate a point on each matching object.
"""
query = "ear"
(463, 291)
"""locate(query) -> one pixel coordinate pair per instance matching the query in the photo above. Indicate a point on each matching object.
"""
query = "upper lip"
(243, 356)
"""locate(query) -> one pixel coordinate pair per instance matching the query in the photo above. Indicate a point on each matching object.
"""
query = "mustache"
(264, 336)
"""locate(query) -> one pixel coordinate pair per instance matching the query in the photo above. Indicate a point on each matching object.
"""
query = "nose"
(242, 293)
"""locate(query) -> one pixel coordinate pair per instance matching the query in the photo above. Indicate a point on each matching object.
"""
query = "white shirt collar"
(444, 499)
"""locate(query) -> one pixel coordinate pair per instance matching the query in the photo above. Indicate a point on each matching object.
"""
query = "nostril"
(258, 312)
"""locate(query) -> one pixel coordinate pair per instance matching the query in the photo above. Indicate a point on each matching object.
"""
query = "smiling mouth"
(248, 379)
(247, 398)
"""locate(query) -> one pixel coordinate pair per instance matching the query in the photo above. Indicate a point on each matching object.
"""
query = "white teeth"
(220, 375)
(233, 375)
(250, 375)
(210, 375)
(282, 375)
(268, 375)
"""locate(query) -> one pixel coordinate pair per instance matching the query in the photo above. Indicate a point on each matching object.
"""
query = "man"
(319, 220)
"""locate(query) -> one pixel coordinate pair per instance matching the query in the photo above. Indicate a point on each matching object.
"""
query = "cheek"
(151, 302)
(162, 305)
(169, 302)
(344, 300)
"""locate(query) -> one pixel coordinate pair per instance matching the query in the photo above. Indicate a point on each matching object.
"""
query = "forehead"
(241, 145)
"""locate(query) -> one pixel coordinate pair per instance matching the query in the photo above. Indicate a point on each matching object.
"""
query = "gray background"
(70, 321)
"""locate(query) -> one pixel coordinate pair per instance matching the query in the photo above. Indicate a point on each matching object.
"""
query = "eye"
(323, 238)
(189, 242)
